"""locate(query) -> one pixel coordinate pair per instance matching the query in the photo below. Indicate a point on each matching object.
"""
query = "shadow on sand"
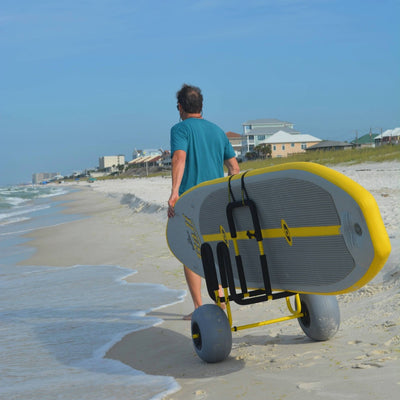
(160, 351)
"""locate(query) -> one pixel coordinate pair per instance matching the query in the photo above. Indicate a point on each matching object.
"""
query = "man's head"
(190, 99)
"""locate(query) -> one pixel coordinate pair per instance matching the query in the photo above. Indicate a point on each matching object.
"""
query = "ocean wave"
(23, 211)
(56, 192)
(15, 195)
(23, 192)
(13, 220)
(9, 202)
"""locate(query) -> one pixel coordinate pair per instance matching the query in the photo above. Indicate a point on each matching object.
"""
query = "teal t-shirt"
(206, 147)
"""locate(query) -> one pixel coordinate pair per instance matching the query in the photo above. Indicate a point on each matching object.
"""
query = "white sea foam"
(55, 192)
(13, 220)
(14, 201)
(23, 211)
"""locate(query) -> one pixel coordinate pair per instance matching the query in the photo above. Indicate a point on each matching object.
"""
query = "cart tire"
(321, 318)
(211, 333)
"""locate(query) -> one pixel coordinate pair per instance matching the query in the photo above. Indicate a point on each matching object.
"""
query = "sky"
(82, 79)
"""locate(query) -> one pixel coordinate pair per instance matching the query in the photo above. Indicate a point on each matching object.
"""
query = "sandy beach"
(125, 226)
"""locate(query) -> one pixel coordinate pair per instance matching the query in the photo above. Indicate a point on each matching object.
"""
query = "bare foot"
(187, 317)
(221, 295)
(223, 306)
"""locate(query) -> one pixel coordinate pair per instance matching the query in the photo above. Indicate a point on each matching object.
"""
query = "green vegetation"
(333, 157)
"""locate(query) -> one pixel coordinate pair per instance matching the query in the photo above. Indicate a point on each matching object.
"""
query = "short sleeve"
(179, 138)
(228, 151)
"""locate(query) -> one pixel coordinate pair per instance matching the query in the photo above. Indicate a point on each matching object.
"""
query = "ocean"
(56, 324)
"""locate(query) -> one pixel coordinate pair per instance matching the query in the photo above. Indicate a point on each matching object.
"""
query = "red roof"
(232, 135)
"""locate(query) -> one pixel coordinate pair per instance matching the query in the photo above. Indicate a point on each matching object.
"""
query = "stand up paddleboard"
(322, 232)
(273, 233)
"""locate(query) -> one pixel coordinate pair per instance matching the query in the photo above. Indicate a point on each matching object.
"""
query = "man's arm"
(232, 165)
(178, 168)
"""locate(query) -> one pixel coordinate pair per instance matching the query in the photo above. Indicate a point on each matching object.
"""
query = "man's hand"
(171, 204)
(178, 167)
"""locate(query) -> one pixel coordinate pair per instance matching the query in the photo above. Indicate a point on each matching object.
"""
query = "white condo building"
(110, 161)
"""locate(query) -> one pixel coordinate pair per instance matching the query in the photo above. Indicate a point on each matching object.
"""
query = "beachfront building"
(145, 161)
(329, 145)
(148, 157)
(390, 136)
(236, 141)
(111, 161)
(284, 144)
(367, 140)
(146, 153)
(42, 177)
(257, 131)
(280, 135)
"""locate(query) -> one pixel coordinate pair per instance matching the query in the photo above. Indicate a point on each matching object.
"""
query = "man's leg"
(194, 283)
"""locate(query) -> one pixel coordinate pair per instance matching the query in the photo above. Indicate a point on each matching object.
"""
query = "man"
(199, 151)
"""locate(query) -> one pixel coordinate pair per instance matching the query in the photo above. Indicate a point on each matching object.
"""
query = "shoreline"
(361, 361)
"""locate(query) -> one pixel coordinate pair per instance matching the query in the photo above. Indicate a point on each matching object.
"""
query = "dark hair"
(190, 98)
